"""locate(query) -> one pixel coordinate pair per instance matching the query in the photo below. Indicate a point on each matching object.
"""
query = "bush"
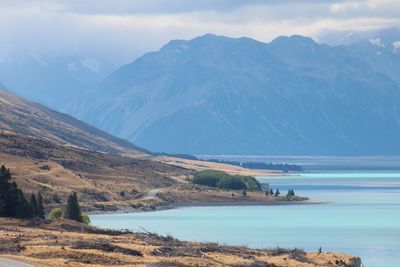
(250, 181)
(223, 180)
(85, 218)
(55, 214)
(231, 182)
(209, 178)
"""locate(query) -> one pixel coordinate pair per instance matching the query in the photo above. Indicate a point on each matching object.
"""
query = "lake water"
(361, 218)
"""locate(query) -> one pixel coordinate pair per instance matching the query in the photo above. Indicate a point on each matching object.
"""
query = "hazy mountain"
(34, 120)
(336, 38)
(219, 95)
(50, 80)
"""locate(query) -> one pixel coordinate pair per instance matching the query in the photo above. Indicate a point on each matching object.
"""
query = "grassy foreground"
(68, 243)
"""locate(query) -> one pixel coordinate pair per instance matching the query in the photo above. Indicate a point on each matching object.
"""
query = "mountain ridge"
(221, 95)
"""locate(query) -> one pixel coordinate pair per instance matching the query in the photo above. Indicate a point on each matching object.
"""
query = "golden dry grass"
(58, 244)
(199, 165)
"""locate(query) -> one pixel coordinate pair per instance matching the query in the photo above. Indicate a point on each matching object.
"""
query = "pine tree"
(4, 190)
(23, 210)
(12, 200)
(271, 192)
(34, 205)
(277, 193)
(72, 210)
(40, 208)
(266, 192)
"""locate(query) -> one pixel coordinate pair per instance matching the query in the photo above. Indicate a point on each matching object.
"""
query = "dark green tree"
(271, 192)
(266, 192)
(34, 205)
(12, 200)
(4, 190)
(244, 193)
(40, 208)
(23, 209)
(72, 210)
(277, 193)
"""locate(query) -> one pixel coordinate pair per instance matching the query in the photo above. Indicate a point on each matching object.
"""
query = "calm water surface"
(361, 218)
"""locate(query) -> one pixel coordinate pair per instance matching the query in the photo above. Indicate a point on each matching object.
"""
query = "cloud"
(123, 29)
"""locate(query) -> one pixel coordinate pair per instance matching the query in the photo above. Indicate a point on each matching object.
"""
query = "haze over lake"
(361, 217)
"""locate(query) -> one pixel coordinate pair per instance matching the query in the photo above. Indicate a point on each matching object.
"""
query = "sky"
(121, 30)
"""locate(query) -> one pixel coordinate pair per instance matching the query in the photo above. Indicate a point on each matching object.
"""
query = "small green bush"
(55, 214)
(85, 218)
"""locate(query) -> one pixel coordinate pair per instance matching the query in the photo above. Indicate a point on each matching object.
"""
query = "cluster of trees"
(261, 165)
(272, 193)
(223, 180)
(290, 193)
(13, 202)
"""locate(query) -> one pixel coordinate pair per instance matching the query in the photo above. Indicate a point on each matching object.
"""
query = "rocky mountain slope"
(220, 95)
(27, 118)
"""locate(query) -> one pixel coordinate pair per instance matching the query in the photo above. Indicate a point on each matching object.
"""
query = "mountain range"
(220, 95)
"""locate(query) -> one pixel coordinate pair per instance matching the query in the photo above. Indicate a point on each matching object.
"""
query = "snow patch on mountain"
(377, 41)
(396, 46)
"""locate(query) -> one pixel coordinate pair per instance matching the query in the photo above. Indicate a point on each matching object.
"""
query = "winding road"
(13, 263)
(151, 194)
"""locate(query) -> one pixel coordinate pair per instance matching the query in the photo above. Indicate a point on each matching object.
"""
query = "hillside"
(54, 154)
(67, 243)
(27, 118)
(220, 95)
(102, 181)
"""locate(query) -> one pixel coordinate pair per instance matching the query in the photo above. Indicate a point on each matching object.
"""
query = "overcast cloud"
(124, 29)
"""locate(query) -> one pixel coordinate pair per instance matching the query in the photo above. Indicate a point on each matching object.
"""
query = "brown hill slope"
(102, 180)
(32, 119)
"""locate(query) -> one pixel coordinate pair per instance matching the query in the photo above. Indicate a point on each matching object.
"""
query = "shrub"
(223, 180)
(250, 181)
(209, 178)
(231, 182)
(55, 214)
(85, 218)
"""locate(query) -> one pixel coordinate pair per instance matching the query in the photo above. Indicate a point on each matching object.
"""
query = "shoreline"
(124, 210)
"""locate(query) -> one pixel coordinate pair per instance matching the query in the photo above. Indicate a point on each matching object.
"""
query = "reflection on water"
(361, 218)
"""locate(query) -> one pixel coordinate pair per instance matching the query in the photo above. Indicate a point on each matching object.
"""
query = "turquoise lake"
(362, 217)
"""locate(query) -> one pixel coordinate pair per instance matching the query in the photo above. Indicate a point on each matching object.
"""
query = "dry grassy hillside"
(100, 178)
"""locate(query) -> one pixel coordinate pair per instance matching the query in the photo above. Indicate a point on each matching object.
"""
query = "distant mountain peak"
(294, 39)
